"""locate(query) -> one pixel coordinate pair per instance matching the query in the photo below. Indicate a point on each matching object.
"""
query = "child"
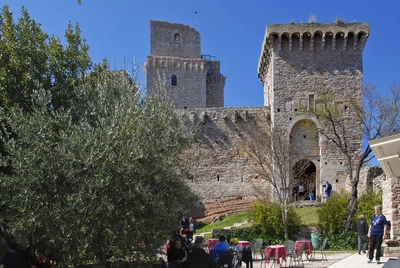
(236, 250)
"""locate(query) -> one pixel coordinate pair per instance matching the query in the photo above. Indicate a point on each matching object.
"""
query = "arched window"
(174, 80)
(177, 37)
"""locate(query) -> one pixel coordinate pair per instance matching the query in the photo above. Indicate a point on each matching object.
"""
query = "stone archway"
(304, 180)
(304, 148)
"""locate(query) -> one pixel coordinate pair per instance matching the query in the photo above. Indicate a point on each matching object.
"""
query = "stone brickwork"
(391, 209)
(193, 80)
(174, 40)
(298, 63)
(371, 177)
(222, 169)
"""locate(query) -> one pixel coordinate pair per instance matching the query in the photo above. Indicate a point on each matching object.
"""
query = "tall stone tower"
(193, 80)
(299, 63)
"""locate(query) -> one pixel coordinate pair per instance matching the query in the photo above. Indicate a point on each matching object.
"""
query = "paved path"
(357, 261)
(335, 260)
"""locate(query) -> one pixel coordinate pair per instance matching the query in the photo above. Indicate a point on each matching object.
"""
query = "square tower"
(192, 80)
(298, 65)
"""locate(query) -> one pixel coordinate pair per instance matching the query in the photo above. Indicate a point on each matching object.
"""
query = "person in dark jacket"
(362, 229)
(15, 258)
(198, 255)
(176, 254)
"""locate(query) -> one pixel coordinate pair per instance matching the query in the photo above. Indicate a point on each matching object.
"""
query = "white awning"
(387, 151)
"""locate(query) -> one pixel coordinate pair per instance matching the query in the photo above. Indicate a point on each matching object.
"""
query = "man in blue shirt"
(220, 247)
(328, 189)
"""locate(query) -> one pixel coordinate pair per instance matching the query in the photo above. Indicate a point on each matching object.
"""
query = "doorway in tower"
(304, 180)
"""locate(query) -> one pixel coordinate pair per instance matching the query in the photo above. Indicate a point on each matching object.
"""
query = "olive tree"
(89, 162)
(31, 59)
(109, 183)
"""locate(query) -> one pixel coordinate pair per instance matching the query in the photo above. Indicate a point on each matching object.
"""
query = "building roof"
(387, 151)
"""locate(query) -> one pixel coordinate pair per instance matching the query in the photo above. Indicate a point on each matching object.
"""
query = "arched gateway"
(304, 148)
(304, 180)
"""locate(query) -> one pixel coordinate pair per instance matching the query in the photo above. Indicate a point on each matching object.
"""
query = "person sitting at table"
(198, 255)
(176, 254)
(220, 247)
(235, 249)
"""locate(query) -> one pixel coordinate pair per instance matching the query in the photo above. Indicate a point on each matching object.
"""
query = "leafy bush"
(365, 206)
(267, 218)
(343, 241)
(332, 213)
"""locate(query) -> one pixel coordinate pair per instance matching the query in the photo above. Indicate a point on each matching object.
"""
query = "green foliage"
(89, 180)
(343, 241)
(30, 60)
(365, 205)
(267, 217)
(332, 213)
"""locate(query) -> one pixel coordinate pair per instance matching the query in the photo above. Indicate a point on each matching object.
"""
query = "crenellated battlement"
(175, 64)
(312, 37)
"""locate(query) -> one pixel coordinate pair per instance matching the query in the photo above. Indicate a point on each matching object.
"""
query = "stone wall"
(164, 42)
(371, 177)
(220, 166)
(175, 52)
(298, 64)
(215, 84)
(391, 209)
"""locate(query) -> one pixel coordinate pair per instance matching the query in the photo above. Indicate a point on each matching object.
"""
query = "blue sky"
(231, 30)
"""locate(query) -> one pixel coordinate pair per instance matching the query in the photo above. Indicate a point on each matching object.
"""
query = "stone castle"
(298, 62)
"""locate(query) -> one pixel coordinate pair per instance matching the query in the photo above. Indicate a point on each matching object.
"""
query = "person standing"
(376, 233)
(362, 229)
(184, 224)
(191, 228)
(328, 189)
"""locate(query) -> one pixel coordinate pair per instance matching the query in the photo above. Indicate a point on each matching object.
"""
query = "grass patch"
(227, 221)
(308, 215)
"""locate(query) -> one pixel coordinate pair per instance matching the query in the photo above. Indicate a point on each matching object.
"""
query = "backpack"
(329, 188)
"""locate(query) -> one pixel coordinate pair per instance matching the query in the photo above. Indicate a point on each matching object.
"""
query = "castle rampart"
(221, 167)
(297, 65)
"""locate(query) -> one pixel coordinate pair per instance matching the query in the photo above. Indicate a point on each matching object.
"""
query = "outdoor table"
(307, 247)
(243, 243)
(211, 243)
(277, 252)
